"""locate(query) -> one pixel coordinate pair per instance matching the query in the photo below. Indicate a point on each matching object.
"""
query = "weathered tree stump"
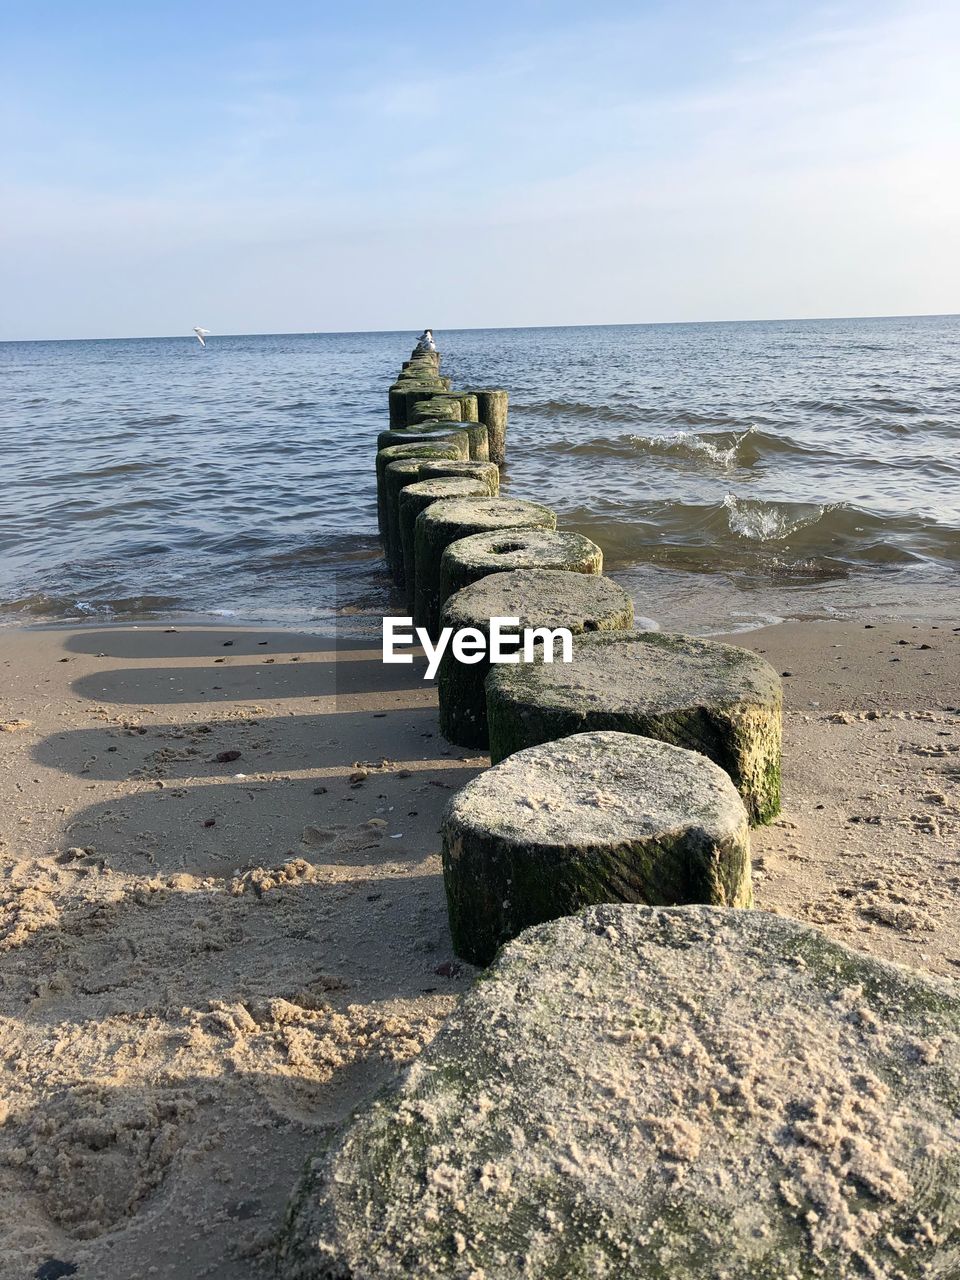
(651, 1093)
(488, 472)
(415, 498)
(538, 598)
(709, 697)
(444, 523)
(598, 817)
(492, 406)
(473, 558)
(425, 449)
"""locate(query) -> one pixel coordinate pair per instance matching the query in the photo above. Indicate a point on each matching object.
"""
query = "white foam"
(764, 522)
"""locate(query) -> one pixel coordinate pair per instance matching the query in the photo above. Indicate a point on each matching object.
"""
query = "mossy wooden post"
(469, 406)
(417, 395)
(475, 432)
(529, 841)
(492, 406)
(399, 392)
(425, 361)
(469, 559)
(439, 434)
(415, 498)
(479, 441)
(399, 474)
(415, 449)
(466, 400)
(715, 698)
(547, 598)
(433, 410)
(657, 1093)
(397, 403)
(488, 472)
(427, 433)
(445, 522)
(397, 477)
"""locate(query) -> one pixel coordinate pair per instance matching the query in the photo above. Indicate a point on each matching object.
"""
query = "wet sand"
(222, 922)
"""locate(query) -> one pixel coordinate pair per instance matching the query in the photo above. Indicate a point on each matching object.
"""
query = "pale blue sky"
(302, 166)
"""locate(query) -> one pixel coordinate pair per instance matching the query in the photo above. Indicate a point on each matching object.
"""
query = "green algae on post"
(492, 406)
(427, 433)
(466, 401)
(438, 410)
(398, 393)
(414, 499)
(597, 817)
(488, 472)
(477, 436)
(473, 558)
(548, 598)
(425, 449)
(399, 474)
(445, 522)
(709, 697)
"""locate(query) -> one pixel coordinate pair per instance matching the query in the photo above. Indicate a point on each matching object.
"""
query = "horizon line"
(622, 324)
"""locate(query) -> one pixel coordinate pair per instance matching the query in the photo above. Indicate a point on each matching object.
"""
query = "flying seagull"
(201, 334)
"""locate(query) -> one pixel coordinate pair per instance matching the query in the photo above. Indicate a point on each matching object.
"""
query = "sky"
(295, 166)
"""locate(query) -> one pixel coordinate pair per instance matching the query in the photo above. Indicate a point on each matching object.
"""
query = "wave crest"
(769, 521)
(719, 448)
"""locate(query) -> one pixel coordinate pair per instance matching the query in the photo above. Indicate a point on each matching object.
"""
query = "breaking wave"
(723, 449)
(769, 521)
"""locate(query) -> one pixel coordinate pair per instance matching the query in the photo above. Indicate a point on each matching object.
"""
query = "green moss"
(526, 708)
(426, 433)
(441, 410)
(768, 799)
(503, 875)
(413, 450)
(488, 472)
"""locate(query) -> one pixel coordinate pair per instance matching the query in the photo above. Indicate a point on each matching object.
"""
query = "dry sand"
(205, 963)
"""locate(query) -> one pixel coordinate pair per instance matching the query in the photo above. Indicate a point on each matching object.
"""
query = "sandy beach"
(222, 921)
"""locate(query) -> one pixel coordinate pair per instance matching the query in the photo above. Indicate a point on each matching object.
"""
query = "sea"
(734, 474)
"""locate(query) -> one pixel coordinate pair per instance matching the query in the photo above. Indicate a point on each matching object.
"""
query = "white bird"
(201, 334)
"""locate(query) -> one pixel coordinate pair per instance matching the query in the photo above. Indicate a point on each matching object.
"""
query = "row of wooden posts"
(630, 1092)
(672, 823)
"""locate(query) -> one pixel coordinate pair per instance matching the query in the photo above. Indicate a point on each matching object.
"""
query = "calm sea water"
(731, 472)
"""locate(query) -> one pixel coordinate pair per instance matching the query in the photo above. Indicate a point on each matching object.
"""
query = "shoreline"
(215, 997)
(930, 607)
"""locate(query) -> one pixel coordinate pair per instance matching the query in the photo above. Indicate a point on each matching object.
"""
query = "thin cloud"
(602, 169)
